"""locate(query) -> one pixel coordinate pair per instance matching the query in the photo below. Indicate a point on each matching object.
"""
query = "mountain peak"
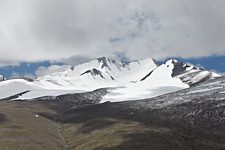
(102, 59)
(113, 60)
(171, 61)
(93, 72)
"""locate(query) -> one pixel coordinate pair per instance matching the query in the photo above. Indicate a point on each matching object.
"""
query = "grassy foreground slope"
(120, 126)
(109, 126)
(21, 128)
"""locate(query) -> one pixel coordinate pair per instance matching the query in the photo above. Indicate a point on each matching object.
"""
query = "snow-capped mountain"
(99, 73)
(190, 74)
(125, 80)
(168, 77)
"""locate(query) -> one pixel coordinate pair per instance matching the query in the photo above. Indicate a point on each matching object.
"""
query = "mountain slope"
(190, 119)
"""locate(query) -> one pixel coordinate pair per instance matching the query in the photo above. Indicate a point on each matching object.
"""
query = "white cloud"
(15, 75)
(36, 30)
(42, 71)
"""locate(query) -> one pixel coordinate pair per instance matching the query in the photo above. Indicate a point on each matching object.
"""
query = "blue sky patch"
(24, 68)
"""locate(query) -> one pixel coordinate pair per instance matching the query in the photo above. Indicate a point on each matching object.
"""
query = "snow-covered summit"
(99, 73)
(168, 77)
(189, 73)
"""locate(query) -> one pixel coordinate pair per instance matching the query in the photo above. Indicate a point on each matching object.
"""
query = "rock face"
(187, 73)
(93, 97)
(190, 74)
(1, 78)
(94, 72)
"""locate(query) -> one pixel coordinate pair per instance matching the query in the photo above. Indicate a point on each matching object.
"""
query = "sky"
(43, 34)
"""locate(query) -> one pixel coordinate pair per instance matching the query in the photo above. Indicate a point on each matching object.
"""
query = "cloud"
(8, 63)
(75, 60)
(57, 30)
(15, 75)
(42, 70)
